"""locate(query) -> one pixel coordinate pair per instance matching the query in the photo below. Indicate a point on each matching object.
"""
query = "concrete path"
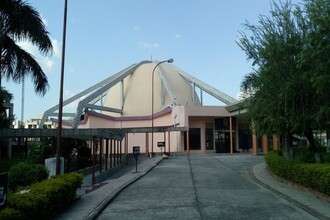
(207, 187)
(95, 198)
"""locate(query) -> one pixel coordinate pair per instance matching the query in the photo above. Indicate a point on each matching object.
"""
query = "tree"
(290, 82)
(5, 98)
(20, 21)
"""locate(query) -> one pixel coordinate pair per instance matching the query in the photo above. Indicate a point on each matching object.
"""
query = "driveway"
(204, 187)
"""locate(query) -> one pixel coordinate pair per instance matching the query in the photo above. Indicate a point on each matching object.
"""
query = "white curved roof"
(138, 91)
(129, 92)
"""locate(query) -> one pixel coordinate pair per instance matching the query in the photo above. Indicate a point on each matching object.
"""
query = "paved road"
(206, 187)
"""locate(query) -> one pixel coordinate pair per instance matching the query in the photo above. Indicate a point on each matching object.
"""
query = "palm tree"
(20, 21)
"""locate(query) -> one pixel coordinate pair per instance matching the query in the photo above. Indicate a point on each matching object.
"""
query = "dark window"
(209, 137)
(195, 138)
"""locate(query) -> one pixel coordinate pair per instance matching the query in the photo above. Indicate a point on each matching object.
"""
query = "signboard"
(3, 189)
(136, 150)
(136, 154)
(161, 144)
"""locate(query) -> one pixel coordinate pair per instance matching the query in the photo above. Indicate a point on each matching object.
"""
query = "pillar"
(114, 152)
(120, 152)
(265, 144)
(111, 153)
(276, 142)
(188, 144)
(169, 142)
(101, 154)
(106, 153)
(93, 160)
(231, 134)
(254, 144)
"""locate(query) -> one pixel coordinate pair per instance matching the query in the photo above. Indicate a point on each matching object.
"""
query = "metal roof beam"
(205, 87)
(79, 95)
(119, 76)
(167, 84)
(103, 108)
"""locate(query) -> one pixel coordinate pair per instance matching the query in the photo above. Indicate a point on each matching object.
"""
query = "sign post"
(136, 154)
(161, 145)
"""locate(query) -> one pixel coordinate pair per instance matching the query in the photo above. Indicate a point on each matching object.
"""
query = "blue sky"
(106, 36)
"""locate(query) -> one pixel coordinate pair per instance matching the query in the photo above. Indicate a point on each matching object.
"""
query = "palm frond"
(21, 21)
(17, 63)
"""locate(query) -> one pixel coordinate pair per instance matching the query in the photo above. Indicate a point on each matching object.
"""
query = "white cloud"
(177, 35)
(67, 93)
(136, 27)
(243, 95)
(71, 107)
(44, 20)
(47, 63)
(57, 48)
(149, 45)
(71, 70)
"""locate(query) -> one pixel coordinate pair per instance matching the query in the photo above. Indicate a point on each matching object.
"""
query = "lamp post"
(152, 101)
(60, 108)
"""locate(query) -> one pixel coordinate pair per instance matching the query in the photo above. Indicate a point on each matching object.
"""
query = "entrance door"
(194, 139)
(222, 142)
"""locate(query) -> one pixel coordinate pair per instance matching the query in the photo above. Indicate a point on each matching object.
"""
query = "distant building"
(34, 123)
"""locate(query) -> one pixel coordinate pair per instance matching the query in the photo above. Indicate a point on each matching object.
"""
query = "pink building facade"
(157, 102)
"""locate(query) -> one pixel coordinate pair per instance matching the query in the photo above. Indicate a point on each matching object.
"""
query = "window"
(209, 136)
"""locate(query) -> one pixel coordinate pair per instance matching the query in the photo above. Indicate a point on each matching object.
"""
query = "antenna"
(22, 104)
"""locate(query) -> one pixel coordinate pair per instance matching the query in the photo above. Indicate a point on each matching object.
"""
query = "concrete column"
(147, 144)
(114, 152)
(265, 144)
(93, 143)
(169, 142)
(106, 153)
(110, 154)
(101, 154)
(188, 144)
(231, 135)
(254, 144)
(120, 152)
(276, 142)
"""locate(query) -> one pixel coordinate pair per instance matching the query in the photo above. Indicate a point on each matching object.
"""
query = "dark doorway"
(245, 137)
(194, 139)
(222, 142)
(222, 134)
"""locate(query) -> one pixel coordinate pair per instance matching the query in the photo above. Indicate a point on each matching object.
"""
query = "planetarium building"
(160, 107)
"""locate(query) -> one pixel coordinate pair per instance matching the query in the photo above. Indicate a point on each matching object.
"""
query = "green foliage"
(5, 97)
(72, 147)
(10, 214)
(25, 173)
(325, 158)
(304, 154)
(34, 151)
(19, 20)
(315, 176)
(289, 86)
(44, 199)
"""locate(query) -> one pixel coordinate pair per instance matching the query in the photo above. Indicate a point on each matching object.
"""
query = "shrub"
(325, 158)
(10, 214)
(44, 199)
(24, 174)
(315, 176)
(304, 154)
